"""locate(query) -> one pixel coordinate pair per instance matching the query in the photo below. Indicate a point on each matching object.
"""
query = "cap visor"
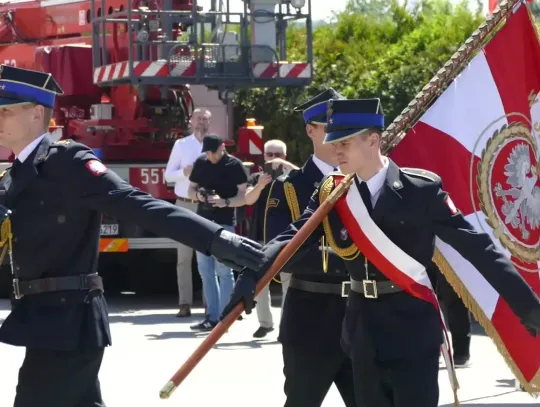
(340, 135)
(12, 102)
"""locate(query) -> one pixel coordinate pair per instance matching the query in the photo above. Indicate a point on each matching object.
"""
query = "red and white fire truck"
(132, 72)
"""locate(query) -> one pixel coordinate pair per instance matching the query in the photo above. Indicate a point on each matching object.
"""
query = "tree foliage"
(376, 48)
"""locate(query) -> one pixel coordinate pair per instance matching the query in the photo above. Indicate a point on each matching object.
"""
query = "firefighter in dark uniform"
(56, 192)
(392, 337)
(314, 307)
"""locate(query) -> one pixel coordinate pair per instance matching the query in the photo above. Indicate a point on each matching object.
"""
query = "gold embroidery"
(348, 253)
(63, 142)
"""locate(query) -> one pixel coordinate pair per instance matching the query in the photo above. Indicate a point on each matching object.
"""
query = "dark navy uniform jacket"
(411, 210)
(57, 197)
(308, 319)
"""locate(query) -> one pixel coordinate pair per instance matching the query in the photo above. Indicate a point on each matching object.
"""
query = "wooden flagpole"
(391, 137)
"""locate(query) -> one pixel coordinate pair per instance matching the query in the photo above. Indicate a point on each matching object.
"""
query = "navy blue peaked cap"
(18, 86)
(347, 118)
(314, 110)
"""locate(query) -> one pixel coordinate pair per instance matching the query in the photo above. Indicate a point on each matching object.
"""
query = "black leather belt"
(83, 282)
(319, 288)
(372, 288)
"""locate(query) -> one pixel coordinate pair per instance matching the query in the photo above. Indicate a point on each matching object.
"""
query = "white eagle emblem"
(344, 234)
(522, 176)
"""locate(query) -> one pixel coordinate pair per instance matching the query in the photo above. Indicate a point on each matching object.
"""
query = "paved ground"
(150, 344)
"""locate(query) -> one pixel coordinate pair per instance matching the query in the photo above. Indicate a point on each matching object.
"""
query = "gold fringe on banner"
(533, 22)
(6, 237)
(532, 387)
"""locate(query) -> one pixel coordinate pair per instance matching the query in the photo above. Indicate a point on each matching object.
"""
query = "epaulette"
(421, 173)
(327, 184)
(65, 142)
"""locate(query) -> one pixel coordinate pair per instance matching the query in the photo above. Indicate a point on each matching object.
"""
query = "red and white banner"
(482, 136)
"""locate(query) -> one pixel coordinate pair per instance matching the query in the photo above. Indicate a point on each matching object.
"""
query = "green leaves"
(377, 48)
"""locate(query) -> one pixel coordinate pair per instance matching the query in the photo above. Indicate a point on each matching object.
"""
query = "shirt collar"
(376, 182)
(196, 139)
(23, 155)
(322, 166)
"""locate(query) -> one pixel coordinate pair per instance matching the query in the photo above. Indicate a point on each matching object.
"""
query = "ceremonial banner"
(482, 137)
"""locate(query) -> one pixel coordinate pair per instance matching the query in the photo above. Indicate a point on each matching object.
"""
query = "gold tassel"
(448, 272)
(325, 254)
(346, 253)
(6, 239)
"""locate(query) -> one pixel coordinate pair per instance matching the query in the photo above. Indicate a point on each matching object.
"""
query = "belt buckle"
(83, 282)
(345, 288)
(370, 288)
(16, 289)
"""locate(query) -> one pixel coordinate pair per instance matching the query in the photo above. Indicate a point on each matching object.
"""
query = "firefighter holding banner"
(392, 329)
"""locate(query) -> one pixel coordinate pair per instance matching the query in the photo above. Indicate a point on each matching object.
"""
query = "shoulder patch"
(273, 203)
(453, 209)
(96, 167)
(421, 173)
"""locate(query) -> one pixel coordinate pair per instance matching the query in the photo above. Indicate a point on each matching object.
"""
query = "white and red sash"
(400, 268)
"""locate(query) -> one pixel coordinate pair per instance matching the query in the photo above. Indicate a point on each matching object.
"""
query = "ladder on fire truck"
(173, 44)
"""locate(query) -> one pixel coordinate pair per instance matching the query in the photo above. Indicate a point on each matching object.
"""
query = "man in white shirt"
(184, 153)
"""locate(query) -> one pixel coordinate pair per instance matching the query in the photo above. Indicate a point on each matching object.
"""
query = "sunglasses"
(270, 154)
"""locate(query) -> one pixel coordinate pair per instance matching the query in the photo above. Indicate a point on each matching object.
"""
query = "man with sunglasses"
(275, 152)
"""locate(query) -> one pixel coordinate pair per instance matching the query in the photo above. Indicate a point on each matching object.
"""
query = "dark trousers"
(458, 317)
(400, 383)
(310, 373)
(50, 378)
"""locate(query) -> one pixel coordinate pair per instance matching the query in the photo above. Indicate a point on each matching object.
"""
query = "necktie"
(14, 168)
(366, 195)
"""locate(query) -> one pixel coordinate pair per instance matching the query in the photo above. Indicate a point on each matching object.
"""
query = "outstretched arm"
(95, 187)
(244, 289)
(478, 248)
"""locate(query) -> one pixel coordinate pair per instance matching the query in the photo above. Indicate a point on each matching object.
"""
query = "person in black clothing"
(275, 152)
(218, 182)
(314, 304)
(392, 330)
(56, 192)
